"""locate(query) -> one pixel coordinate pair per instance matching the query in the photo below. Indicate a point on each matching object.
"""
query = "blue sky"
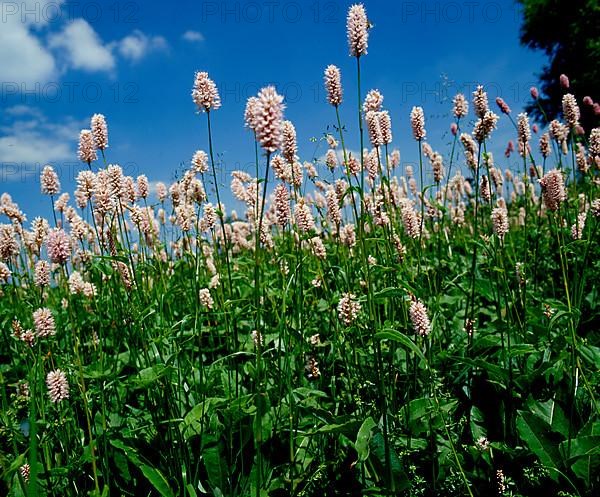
(134, 61)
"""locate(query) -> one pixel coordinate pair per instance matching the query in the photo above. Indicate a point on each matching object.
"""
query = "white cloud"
(137, 45)
(193, 36)
(23, 59)
(31, 139)
(83, 47)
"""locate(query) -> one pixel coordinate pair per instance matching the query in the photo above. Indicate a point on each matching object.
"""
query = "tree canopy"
(569, 33)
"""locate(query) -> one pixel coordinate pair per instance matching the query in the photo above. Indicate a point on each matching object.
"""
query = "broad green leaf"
(363, 438)
(534, 432)
(396, 336)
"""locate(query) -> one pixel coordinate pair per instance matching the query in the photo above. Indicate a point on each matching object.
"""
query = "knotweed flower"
(385, 124)
(5, 273)
(564, 81)
(545, 145)
(266, 118)
(570, 110)
(206, 299)
(87, 147)
(257, 338)
(25, 471)
(484, 188)
(500, 222)
(333, 85)
(282, 205)
(49, 181)
(534, 92)
(41, 276)
(460, 106)
(357, 26)
(348, 308)
(289, 147)
(99, 131)
(410, 219)
(303, 216)
(480, 102)
(484, 126)
(502, 105)
(373, 125)
(418, 317)
(331, 159)
(553, 189)
(43, 321)
(523, 128)
(594, 147)
(200, 162)
(58, 245)
(142, 186)
(251, 112)
(58, 386)
(333, 208)
(454, 129)
(204, 93)
(373, 101)
(417, 121)
(596, 207)
(577, 228)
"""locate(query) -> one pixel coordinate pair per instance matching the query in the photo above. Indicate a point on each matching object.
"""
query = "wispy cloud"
(193, 36)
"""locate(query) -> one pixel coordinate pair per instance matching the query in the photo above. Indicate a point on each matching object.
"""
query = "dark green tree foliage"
(569, 33)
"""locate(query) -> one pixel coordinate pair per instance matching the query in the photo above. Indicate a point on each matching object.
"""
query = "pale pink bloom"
(268, 117)
(204, 93)
(58, 386)
(460, 106)
(87, 147)
(553, 189)
(373, 101)
(564, 81)
(58, 245)
(333, 85)
(200, 162)
(357, 26)
(348, 308)
(417, 121)
(480, 102)
(43, 321)
(570, 110)
(49, 181)
(99, 131)
(418, 317)
(289, 146)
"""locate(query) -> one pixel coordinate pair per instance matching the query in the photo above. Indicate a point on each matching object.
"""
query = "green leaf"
(146, 377)
(153, 475)
(192, 422)
(215, 467)
(396, 336)
(363, 438)
(534, 432)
